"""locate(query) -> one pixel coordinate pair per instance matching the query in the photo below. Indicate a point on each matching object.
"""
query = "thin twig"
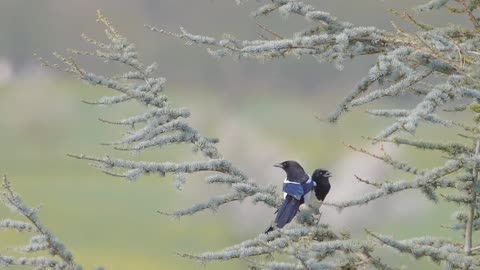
(368, 182)
(278, 36)
(471, 213)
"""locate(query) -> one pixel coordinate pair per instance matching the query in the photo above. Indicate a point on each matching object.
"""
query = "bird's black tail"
(285, 213)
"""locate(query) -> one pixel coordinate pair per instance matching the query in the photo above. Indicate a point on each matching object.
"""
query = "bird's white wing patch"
(307, 197)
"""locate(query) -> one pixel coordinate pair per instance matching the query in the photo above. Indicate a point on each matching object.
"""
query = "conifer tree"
(439, 65)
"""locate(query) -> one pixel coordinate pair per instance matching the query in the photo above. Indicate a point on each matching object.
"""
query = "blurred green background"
(262, 112)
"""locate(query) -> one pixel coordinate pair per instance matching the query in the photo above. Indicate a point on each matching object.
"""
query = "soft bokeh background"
(262, 112)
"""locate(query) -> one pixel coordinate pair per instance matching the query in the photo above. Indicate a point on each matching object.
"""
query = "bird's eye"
(284, 164)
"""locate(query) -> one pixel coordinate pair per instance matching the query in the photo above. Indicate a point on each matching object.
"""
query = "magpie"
(297, 189)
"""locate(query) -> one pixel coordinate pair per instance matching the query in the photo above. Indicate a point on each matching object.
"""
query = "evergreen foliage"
(312, 245)
(159, 125)
(439, 65)
(43, 240)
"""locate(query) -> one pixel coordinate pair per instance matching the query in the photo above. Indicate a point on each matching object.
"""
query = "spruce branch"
(436, 249)
(44, 239)
(435, 177)
(405, 59)
(311, 246)
(431, 5)
(388, 160)
(453, 149)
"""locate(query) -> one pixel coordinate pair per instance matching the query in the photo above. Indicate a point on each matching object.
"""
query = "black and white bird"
(298, 188)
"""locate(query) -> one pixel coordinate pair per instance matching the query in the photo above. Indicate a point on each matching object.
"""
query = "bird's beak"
(327, 174)
(278, 165)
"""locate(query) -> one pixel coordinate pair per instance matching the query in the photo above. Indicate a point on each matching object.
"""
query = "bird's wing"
(287, 211)
(293, 189)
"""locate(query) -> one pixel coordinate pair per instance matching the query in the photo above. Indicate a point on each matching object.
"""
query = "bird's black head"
(294, 170)
(322, 187)
(321, 173)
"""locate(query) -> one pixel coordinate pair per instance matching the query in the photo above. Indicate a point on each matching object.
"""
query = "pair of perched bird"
(299, 188)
